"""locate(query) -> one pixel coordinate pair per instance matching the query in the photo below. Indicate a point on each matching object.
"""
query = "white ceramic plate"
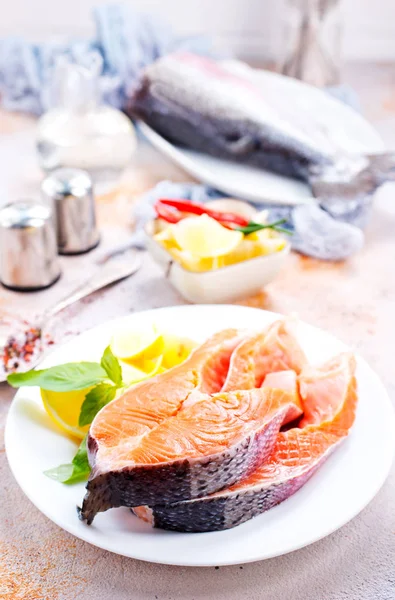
(335, 124)
(339, 491)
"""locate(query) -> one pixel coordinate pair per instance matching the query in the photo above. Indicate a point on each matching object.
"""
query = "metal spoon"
(13, 328)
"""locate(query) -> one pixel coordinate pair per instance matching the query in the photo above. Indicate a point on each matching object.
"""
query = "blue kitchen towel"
(126, 40)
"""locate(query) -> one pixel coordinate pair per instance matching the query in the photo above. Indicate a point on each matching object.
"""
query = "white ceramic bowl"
(221, 285)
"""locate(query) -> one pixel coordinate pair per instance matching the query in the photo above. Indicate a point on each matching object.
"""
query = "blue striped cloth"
(126, 40)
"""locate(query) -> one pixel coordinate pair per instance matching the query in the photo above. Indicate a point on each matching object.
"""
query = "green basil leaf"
(63, 378)
(112, 367)
(61, 473)
(94, 401)
(80, 460)
(77, 470)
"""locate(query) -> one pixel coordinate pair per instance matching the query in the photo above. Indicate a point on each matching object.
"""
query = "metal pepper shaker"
(28, 248)
(71, 193)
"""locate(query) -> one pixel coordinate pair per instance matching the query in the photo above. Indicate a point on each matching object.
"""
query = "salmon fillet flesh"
(296, 455)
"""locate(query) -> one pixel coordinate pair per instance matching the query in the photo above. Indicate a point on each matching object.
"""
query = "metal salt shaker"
(28, 248)
(71, 192)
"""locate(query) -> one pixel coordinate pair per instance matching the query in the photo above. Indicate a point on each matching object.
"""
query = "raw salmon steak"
(329, 401)
(212, 443)
(172, 438)
(121, 425)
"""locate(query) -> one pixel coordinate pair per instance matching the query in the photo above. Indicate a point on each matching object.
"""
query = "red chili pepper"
(184, 206)
(164, 213)
(197, 209)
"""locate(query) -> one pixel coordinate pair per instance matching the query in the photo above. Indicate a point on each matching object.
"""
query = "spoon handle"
(108, 274)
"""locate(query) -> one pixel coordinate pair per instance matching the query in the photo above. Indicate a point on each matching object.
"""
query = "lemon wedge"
(166, 238)
(64, 409)
(176, 350)
(132, 374)
(135, 345)
(149, 367)
(204, 237)
(268, 241)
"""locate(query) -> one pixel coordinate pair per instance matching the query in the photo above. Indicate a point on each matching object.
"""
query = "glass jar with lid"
(80, 131)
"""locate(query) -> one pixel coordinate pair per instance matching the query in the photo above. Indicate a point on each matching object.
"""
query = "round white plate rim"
(195, 162)
(86, 536)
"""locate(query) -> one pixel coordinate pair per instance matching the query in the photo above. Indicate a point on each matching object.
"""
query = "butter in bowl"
(217, 252)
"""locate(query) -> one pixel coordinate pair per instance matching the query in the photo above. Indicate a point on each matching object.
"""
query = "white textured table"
(354, 300)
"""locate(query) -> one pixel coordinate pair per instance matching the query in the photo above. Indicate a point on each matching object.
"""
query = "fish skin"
(194, 476)
(230, 507)
(195, 102)
(279, 477)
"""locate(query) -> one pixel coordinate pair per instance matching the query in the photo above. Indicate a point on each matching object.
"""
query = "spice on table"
(22, 348)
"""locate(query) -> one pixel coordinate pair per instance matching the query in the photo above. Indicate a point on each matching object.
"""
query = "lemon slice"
(176, 350)
(149, 367)
(268, 241)
(271, 246)
(64, 409)
(132, 374)
(204, 237)
(166, 237)
(135, 344)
